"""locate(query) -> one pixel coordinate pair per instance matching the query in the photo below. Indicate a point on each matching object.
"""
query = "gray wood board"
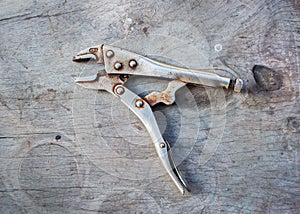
(64, 149)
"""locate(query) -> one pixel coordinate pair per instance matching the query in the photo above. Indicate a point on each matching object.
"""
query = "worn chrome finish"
(145, 114)
(149, 67)
(121, 64)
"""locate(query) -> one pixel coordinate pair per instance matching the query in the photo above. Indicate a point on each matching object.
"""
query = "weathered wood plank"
(65, 149)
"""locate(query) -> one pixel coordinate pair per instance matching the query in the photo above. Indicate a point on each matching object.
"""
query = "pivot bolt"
(162, 145)
(133, 63)
(119, 90)
(110, 53)
(139, 103)
(118, 65)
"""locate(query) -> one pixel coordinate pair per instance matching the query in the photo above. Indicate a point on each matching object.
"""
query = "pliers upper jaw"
(94, 53)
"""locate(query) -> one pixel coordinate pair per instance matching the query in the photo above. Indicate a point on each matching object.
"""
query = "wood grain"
(64, 149)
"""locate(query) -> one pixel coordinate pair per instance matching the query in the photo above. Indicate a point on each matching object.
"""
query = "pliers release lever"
(120, 64)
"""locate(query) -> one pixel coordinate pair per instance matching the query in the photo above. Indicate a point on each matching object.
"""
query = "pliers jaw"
(91, 53)
(88, 82)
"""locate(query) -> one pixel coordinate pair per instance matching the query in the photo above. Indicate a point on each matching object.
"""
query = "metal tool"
(120, 64)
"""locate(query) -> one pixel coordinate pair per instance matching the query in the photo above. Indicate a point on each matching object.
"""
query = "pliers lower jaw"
(120, 64)
(114, 85)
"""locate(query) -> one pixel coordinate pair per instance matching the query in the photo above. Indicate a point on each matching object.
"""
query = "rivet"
(93, 50)
(162, 145)
(132, 63)
(118, 65)
(119, 90)
(139, 103)
(110, 53)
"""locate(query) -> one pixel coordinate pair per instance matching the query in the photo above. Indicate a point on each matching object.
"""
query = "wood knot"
(266, 78)
(293, 124)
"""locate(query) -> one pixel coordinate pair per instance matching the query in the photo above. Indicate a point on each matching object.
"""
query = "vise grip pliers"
(120, 64)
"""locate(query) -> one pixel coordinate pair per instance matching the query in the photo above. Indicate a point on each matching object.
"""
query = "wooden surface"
(64, 149)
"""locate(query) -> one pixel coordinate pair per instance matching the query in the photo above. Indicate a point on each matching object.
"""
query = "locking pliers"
(120, 65)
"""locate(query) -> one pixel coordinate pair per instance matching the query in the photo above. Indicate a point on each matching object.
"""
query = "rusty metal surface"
(167, 96)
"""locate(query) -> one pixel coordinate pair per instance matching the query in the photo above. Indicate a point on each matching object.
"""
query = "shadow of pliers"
(120, 65)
